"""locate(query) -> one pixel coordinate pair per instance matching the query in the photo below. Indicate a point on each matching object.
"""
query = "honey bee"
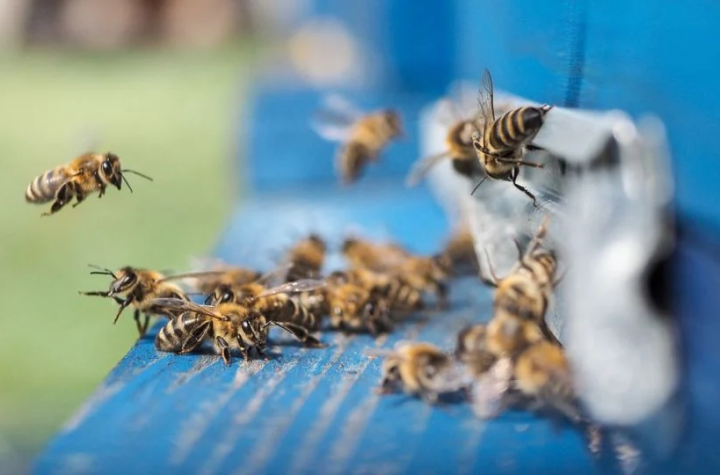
(428, 274)
(361, 253)
(84, 175)
(363, 135)
(355, 308)
(501, 146)
(460, 252)
(140, 287)
(542, 375)
(305, 259)
(228, 325)
(526, 291)
(393, 288)
(458, 148)
(278, 306)
(421, 369)
(472, 349)
(221, 275)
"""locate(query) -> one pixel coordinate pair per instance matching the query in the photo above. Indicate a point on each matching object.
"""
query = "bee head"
(111, 170)
(126, 280)
(254, 330)
(222, 294)
(348, 244)
(391, 374)
(318, 241)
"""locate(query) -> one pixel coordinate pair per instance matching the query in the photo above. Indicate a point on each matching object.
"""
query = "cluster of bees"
(383, 284)
(513, 359)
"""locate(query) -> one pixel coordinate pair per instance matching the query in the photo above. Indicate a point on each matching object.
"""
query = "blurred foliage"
(171, 115)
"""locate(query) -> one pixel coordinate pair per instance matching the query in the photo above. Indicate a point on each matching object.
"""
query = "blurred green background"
(169, 114)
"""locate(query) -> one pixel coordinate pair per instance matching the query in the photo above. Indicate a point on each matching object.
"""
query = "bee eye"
(107, 168)
(245, 325)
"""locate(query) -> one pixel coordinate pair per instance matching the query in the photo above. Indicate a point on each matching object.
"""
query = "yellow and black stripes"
(515, 128)
(44, 187)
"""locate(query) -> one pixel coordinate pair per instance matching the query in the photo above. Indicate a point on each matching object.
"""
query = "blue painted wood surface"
(304, 410)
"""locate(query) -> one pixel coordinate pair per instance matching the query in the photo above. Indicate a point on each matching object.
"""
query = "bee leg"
(79, 197)
(243, 350)
(130, 299)
(63, 197)
(224, 349)
(521, 162)
(102, 190)
(141, 327)
(300, 333)
(524, 190)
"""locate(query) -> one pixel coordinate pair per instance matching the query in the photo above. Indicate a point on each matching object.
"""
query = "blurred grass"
(170, 115)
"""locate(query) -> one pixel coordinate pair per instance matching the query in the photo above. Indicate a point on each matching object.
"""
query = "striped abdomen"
(402, 296)
(44, 187)
(183, 333)
(515, 128)
(294, 312)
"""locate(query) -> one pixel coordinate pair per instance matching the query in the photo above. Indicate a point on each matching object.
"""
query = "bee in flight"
(363, 135)
(420, 369)
(503, 142)
(140, 287)
(84, 175)
(228, 325)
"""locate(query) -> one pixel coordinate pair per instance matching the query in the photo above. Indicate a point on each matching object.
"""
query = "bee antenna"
(127, 183)
(104, 271)
(138, 174)
(478, 185)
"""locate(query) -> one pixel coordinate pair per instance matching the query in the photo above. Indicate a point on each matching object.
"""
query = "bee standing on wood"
(306, 258)
(229, 325)
(420, 369)
(526, 291)
(363, 135)
(88, 173)
(140, 287)
(501, 146)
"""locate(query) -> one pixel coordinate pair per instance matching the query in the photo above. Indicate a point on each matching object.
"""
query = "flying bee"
(229, 325)
(355, 308)
(140, 287)
(526, 291)
(420, 369)
(502, 144)
(306, 258)
(84, 175)
(363, 135)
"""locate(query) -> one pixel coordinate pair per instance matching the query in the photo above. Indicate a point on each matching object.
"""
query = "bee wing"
(335, 119)
(302, 285)
(421, 167)
(184, 305)
(191, 274)
(489, 390)
(485, 98)
(280, 272)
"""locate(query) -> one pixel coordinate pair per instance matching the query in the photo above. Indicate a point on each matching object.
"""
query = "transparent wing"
(485, 98)
(335, 119)
(421, 168)
(278, 273)
(192, 274)
(303, 285)
(184, 305)
(488, 392)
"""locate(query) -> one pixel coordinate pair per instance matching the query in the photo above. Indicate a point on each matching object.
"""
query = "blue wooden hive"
(308, 410)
